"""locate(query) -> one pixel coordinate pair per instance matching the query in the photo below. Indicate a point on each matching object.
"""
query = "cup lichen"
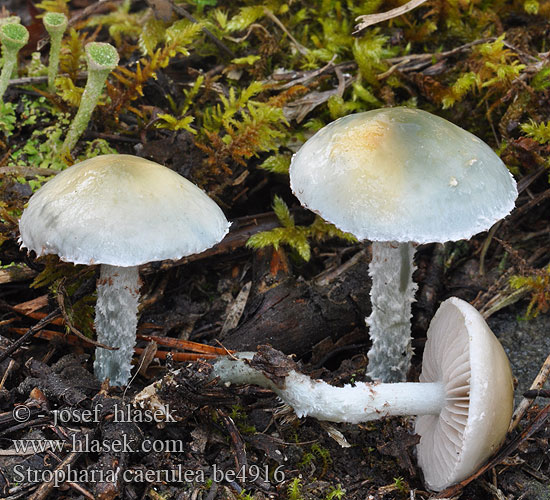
(101, 58)
(13, 37)
(55, 24)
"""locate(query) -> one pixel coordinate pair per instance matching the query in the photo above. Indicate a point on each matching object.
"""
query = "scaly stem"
(353, 404)
(102, 59)
(116, 322)
(392, 294)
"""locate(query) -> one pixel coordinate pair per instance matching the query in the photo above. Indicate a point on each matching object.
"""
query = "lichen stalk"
(352, 404)
(55, 24)
(392, 294)
(13, 37)
(116, 322)
(7, 70)
(102, 58)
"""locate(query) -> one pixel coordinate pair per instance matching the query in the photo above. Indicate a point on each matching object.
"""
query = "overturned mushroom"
(464, 400)
(399, 177)
(119, 211)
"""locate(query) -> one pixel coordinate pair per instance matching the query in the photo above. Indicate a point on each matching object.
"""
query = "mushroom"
(400, 177)
(462, 353)
(119, 211)
(464, 398)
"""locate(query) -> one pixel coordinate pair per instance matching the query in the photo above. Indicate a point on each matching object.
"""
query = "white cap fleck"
(400, 174)
(464, 354)
(120, 210)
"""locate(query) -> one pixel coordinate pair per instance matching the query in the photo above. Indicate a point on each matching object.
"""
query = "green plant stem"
(55, 25)
(53, 65)
(7, 69)
(102, 59)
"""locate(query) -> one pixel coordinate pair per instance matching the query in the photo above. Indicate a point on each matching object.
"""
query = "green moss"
(538, 131)
(239, 416)
(296, 237)
(537, 282)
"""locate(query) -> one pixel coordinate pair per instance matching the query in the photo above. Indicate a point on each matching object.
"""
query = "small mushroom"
(399, 177)
(464, 398)
(119, 211)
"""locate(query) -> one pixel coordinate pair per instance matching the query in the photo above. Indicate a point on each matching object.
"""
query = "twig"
(178, 356)
(33, 330)
(485, 247)
(236, 441)
(184, 344)
(25, 425)
(251, 28)
(16, 273)
(27, 171)
(309, 75)
(80, 489)
(538, 393)
(500, 301)
(6, 373)
(46, 488)
(298, 109)
(61, 302)
(324, 278)
(296, 76)
(526, 181)
(530, 204)
(526, 402)
(235, 312)
(420, 61)
(91, 9)
(147, 357)
(241, 230)
(369, 20)
(26, 452)
(36, 80)
(301, 49)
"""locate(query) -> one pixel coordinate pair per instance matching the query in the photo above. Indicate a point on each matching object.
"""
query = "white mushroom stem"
(352, 404)
(116, 322)
(392, 294)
